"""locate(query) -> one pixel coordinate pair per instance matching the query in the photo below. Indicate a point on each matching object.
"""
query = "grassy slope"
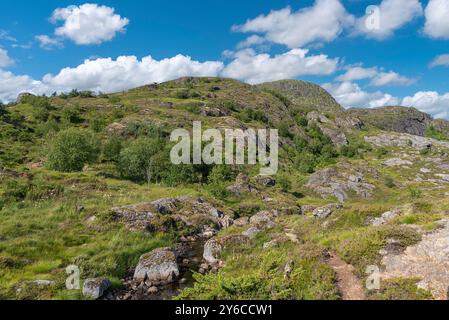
(40, 236)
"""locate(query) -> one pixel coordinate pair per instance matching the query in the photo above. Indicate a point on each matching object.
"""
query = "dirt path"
(349, 285)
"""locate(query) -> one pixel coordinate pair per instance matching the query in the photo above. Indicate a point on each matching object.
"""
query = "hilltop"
(86, 181)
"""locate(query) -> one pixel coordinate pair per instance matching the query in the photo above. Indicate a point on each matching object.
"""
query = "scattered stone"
(95, 288)
(444, 177)
(251, 232)
(212, 250)
(385, 217)
(355, 178)
(212, 112)
(43, 283)
(116, 129)
(263, 219)
(326, 211)
(394, 162)
(153, 290)
(266, 181)
(288, 270)
(240, 222)
(292, 237)
(158, 266)
(305, 209)
(425, 170)
(214, 247)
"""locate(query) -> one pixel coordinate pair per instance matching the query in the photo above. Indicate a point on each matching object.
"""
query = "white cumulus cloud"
(378, 77)
(430, 102)
(5, 60)
(322, 22)
(441, 60)
(47, 42)
(88, 23)
(258, 68)
(349, 95)
(392, 15)
(437, 21)
(107, 75)
(391, 79)
(357, 73)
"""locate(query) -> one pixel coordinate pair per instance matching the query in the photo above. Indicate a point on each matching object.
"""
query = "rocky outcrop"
(326, 211)
(385, 217)
(396, 162)
(405, 141)
(329, 128)
(264, 219)
(158, 266)
(95, 288)
(397, 119)
(116, 129)
(265, 181)
(186, 212)
(333, 182)
(428, 260)
(22, 96)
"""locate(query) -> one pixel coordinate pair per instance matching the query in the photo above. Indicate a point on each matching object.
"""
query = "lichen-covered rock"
(95, 288)
(265, 181)
(158, 266)
(215, 246)
(326, 211)
(385, 217)
(240, 222)
(263, 219)
(404, 141)
(251, 232)
(427, 260)
(212, 250)
(212, 112)
(331, 182)
(116, 128)
(166, 205)
(181, 212)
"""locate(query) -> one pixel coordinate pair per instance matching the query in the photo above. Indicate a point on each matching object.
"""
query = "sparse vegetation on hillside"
(68, 160)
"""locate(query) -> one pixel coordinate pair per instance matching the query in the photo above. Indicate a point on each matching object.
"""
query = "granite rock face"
(337, 183)
(428, 260)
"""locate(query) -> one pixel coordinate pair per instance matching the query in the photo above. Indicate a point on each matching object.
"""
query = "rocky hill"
(86, 181)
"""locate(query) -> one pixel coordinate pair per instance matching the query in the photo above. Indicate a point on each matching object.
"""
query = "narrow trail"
(350, 287)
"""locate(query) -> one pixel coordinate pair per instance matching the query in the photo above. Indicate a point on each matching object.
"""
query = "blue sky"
(403, 58)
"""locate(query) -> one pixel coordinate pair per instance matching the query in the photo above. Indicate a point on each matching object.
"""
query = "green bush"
(72, 150)
(217, 181)
(389, 182)
(112, 148)
(301, 121)
(414, 193)
(431, 132)
(136, 161)
(284, 130)
(305, 162)
(284, 183)
(71, 115)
